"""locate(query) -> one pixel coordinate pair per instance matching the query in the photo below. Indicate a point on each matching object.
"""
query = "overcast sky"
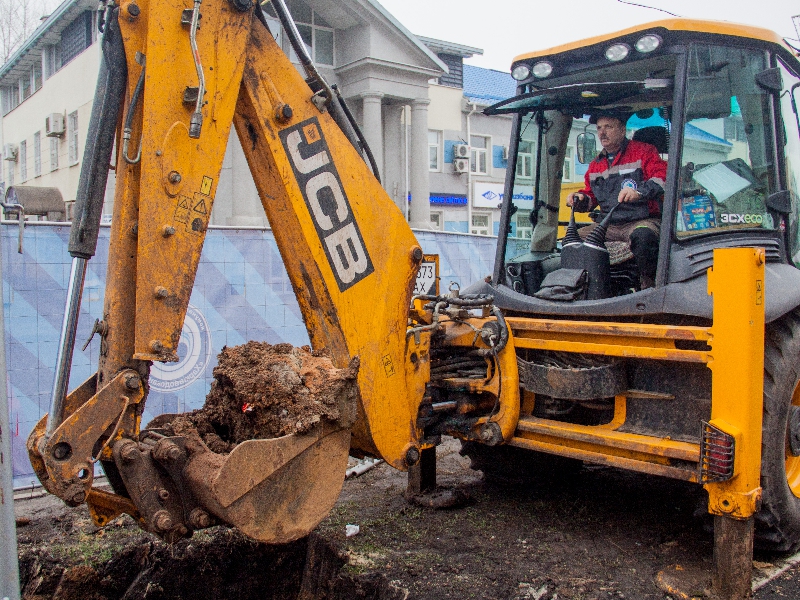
(507, 28)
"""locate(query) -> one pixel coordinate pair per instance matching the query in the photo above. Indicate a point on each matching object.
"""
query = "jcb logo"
(330, 210)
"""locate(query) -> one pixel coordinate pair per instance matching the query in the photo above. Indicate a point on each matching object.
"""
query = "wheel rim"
(793, 462)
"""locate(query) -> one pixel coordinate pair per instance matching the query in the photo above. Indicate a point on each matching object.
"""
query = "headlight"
(520, 72)
(542, 69)
(617, 52)
(648, 43)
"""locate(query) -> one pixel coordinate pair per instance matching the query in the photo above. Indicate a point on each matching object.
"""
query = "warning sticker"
(311, 131)
(182, 210)
(200, 206)
(388, 365)
(759, 292)
(205, 187)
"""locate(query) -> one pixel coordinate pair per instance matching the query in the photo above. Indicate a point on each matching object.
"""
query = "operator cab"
(719, 108)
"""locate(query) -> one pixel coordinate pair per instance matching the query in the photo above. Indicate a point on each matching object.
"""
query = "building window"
(9, 97)
(52, 60)
(437, 220)
(25, 86)
(434, 150)
(316, 33)
(53, 153)
(566, 174)
(76, 37)
(36, 76)
(525, 159)
(23, 160)
(524, 229)
(480, 224)
(72, 134)
(37, 154)
(478, 162)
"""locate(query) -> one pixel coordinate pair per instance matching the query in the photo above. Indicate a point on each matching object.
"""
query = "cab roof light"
(542, 69)
(521, 72)
(648, 43)
(617, 52)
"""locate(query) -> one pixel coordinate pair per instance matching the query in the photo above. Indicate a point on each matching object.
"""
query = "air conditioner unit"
(10, 152)
(461, 165)
(460, 151)
(505, 152)
(54, 125)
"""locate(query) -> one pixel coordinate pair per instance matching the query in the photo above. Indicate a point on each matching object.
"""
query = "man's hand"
(628, 195)
(575, 197)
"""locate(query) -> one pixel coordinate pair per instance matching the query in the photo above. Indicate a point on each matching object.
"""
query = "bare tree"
(18, 20)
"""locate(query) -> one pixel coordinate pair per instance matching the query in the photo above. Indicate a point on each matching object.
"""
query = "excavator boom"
(352, 259)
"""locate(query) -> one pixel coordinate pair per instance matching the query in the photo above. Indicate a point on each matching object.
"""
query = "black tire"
(509, 465)
(778, 521)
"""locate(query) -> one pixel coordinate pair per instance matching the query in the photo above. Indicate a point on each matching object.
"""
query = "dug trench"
(585, 533)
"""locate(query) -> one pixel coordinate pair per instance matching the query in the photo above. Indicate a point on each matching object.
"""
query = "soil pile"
(265, 391)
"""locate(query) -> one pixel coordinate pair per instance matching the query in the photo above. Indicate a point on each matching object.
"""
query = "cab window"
(727, 167)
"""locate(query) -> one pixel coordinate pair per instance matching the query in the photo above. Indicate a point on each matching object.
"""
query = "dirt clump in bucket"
(264, 391)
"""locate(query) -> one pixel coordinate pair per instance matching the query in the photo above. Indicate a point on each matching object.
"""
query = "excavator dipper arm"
(350, 255)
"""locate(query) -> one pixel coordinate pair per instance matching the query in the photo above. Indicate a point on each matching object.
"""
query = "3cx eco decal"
(734, 219)
(330, 209)
(194, 352)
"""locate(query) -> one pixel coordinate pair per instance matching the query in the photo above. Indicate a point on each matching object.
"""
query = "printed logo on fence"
(194, 351)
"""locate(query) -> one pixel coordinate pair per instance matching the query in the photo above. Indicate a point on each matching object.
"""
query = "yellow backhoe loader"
(661, 380)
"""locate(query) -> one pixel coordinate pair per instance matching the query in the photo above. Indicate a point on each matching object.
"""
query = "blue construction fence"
(241, 293)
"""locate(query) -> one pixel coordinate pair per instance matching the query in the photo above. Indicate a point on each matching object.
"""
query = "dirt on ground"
(588, 533)
(265, 391)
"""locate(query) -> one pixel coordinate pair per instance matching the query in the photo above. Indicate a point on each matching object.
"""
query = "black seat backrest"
(655, 135)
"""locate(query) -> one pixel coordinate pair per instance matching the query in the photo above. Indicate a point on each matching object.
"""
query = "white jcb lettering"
(315, 185)
(304, 165)
(348, 255)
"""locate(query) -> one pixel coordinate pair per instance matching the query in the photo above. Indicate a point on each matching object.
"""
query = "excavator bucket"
(274, 490)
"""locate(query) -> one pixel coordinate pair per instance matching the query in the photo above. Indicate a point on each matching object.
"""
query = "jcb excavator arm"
(350, 256)
(171, 90)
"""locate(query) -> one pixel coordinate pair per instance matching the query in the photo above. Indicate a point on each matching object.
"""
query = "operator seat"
(656, 136)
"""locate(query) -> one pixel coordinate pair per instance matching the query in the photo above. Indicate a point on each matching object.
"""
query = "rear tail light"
(717, 451)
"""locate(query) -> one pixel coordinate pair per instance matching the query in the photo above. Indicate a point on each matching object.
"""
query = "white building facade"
(382, 70)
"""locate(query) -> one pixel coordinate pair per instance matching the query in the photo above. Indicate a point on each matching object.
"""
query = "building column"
(418, 162)
(246, 209)
(393, 175)
(373, 125)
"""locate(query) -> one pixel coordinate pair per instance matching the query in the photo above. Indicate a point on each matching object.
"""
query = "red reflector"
(717, 451)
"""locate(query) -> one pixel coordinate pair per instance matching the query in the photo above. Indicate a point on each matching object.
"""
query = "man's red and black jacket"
(636, 165)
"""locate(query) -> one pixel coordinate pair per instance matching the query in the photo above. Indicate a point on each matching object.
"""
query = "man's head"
(610, 132)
